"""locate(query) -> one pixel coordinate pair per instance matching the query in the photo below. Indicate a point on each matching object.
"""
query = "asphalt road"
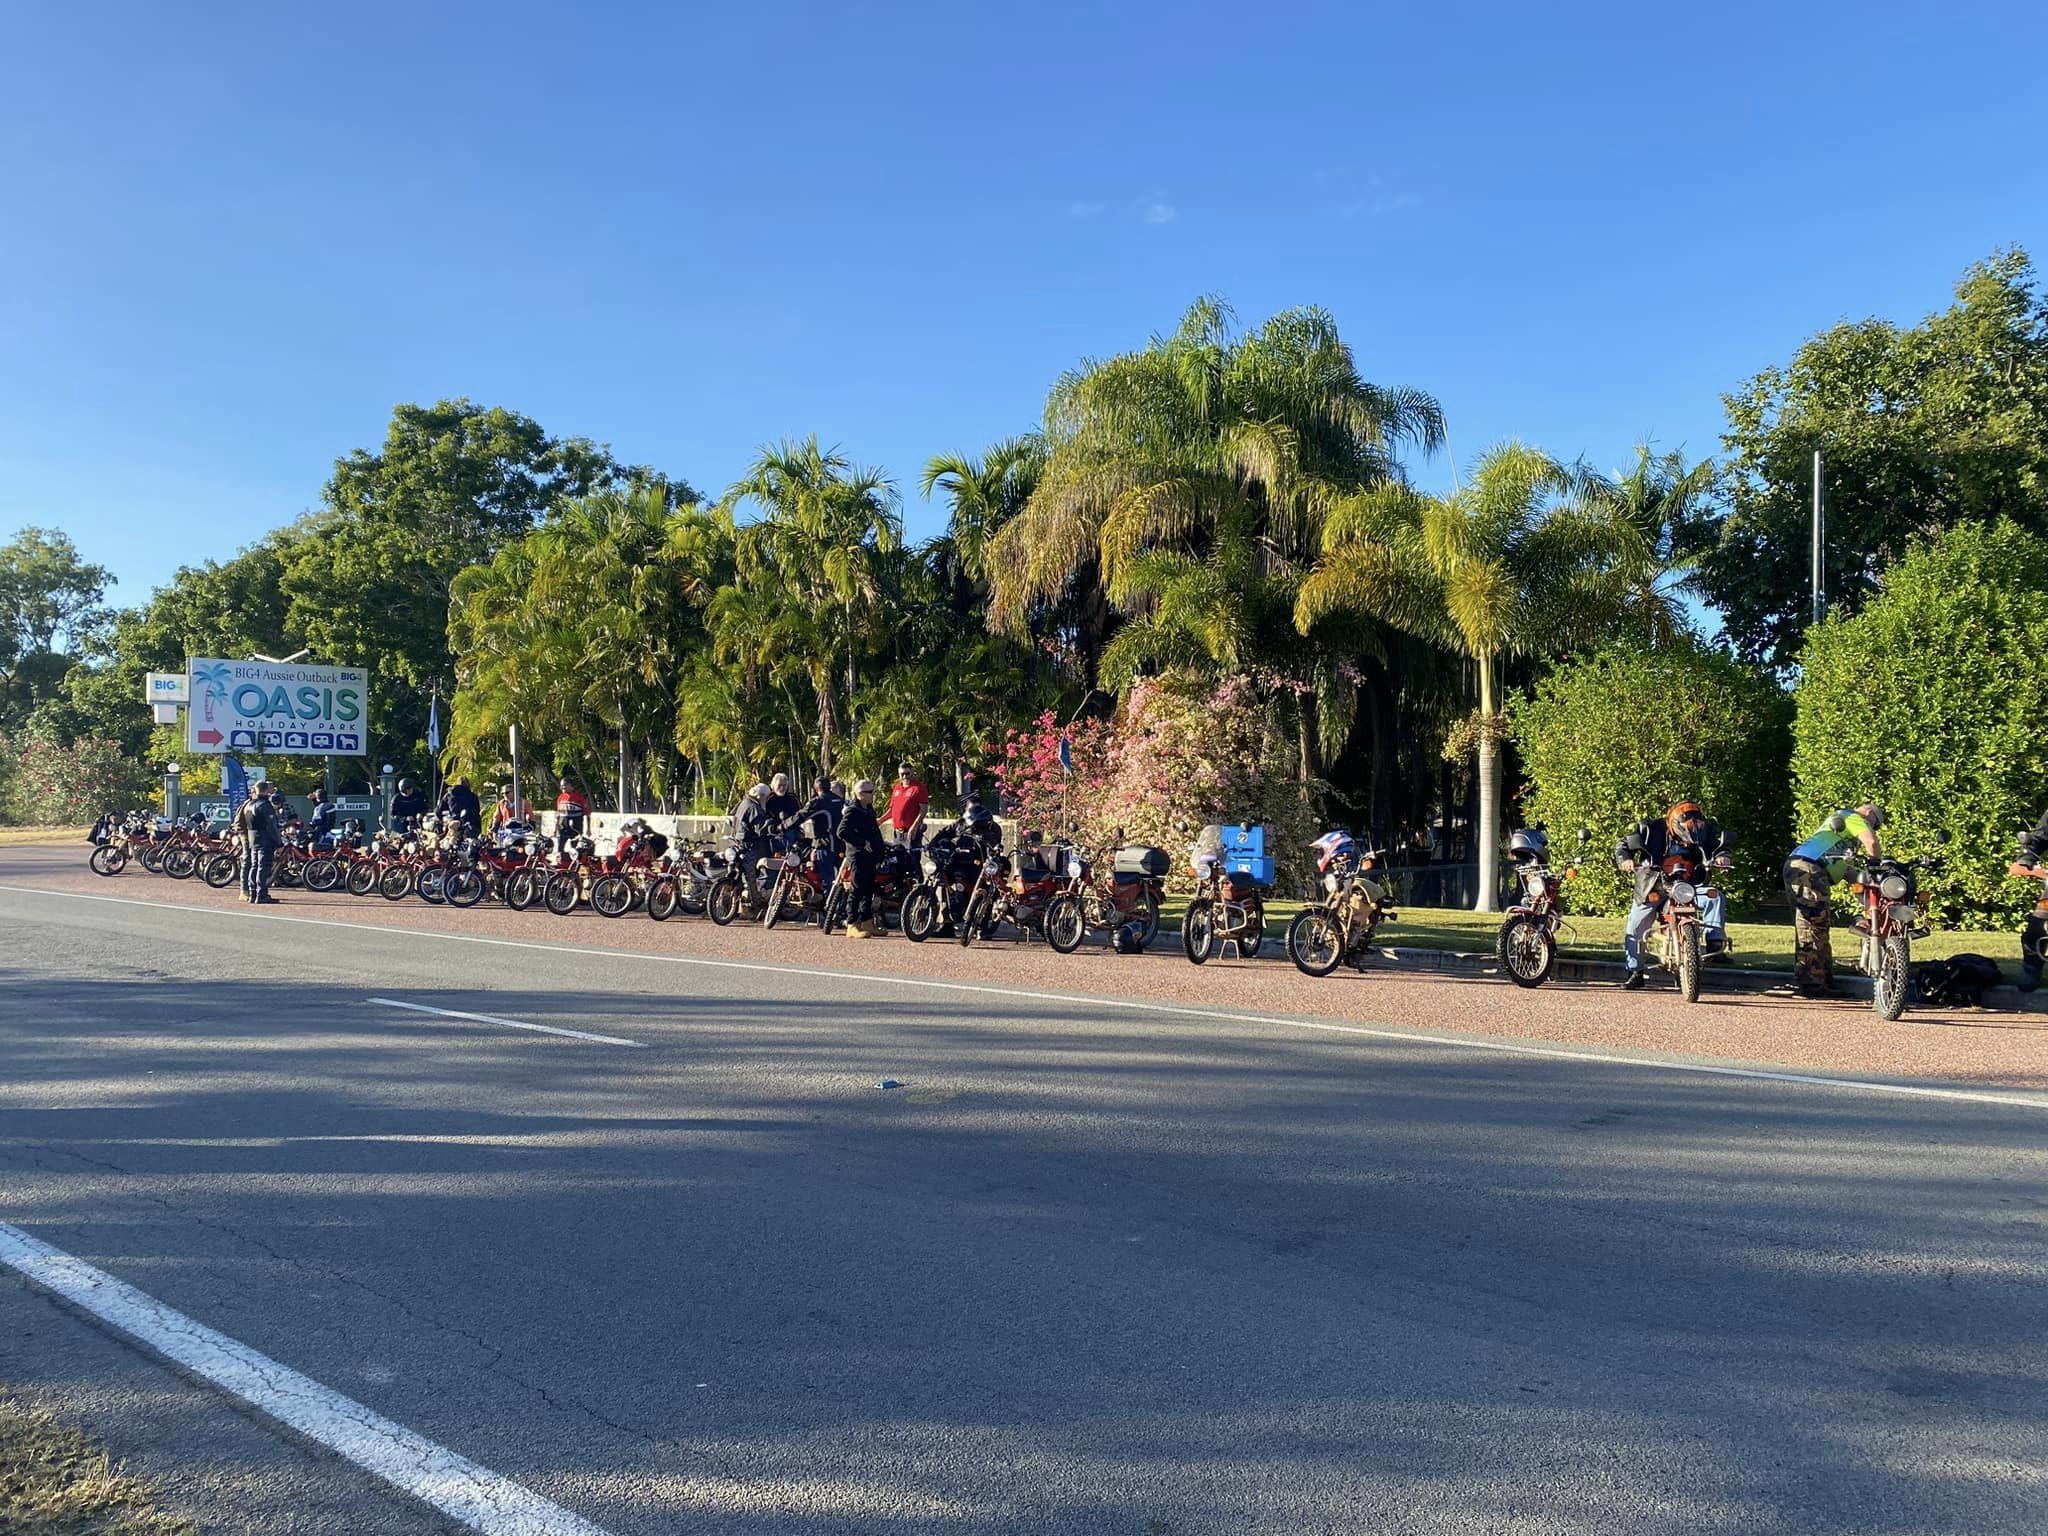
(1088, 1269)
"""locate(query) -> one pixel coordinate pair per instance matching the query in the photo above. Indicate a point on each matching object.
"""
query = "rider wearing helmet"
(861, 832)
(1683, 829)
(407, 806)
(1810, 875)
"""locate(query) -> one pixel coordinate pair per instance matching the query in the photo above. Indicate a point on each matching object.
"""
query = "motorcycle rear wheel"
(1315, 943)
(1894, 969)
(1526, 952)
(1198, 931)
(612, 896)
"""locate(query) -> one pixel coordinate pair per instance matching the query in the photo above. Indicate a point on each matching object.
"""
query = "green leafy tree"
(50, 613)
(1922, 427)
(369, 577)
(1504, 566)
(1930, 702)
(1610, 738)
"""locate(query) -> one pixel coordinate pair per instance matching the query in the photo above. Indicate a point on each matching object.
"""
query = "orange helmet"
(1680, 812)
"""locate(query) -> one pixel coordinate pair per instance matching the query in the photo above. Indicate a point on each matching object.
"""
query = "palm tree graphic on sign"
(212, 680)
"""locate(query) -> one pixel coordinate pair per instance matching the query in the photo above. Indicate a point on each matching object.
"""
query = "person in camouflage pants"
(1810, 876)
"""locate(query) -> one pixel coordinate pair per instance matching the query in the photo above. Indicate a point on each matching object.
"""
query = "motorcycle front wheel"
(1894, 968)
(920, 914)
(1315, 943)
(1689, 963)
(1525, 950)
(1198, 931)
(220, 870)
(724, 901)
(322, 874)
(432, 884)
(107, 859)
(361, 879)
(562, 894)
(612, 896)
(462, 887)
(662, 898)
(1065, 926)
(180, 863)
(153, 859)
(395, 883)
(979, 914)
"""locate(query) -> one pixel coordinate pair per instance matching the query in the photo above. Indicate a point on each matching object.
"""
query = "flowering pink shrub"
(1174, 753)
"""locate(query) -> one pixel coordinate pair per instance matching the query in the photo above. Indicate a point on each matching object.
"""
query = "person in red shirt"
(572, 811)
(906, 804)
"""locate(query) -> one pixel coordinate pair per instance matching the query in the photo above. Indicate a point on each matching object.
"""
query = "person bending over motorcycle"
(1684, 829)
(753, 834)
(861, 832)
(2033, 849)
(1810, 875)
(820, 815)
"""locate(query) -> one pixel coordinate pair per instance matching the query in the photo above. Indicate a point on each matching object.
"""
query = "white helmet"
(1528, 845)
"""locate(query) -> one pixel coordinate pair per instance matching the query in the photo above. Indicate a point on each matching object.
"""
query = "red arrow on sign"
(209, 738)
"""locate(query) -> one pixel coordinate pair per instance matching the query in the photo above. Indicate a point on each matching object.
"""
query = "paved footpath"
(644, 1239)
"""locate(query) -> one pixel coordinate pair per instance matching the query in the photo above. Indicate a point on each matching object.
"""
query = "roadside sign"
(166, 714)
(267, 707)
(167, 688)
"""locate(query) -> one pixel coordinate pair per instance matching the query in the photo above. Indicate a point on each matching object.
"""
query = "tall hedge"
(1933, 701)
(1611, 738)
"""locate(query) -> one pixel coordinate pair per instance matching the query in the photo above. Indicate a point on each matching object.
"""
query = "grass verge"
(55, 1482)
(1758, 946)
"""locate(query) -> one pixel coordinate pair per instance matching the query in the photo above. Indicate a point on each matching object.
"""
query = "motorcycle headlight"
(1682, 891)
(1894, 887)
(931, 865)
(1331, 882)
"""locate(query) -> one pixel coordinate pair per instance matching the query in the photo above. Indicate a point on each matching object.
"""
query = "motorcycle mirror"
(1585, 836)
(1942, 838)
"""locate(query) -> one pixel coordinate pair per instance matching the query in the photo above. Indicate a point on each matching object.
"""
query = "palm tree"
(815, 556)
(1185, 487)
(1642, 517)
(1505, 565)
(983, 494)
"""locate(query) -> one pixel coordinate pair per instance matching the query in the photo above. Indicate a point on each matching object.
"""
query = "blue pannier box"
(1244, 852)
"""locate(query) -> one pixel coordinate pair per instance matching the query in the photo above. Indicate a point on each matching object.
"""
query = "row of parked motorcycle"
(960, 884)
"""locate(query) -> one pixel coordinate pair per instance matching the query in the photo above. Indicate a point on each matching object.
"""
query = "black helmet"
(405, 786)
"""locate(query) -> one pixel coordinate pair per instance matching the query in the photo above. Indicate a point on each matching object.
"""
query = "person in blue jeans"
(1684, 829)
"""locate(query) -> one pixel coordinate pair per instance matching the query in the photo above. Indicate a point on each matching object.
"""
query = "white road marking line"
(1127, 1004)
(492, 1018)
(458, 1487)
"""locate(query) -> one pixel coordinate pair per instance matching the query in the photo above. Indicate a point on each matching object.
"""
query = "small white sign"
(166, 714)
(167, 688)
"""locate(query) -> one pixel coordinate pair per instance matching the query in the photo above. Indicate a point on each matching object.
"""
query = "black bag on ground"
(1960, 981)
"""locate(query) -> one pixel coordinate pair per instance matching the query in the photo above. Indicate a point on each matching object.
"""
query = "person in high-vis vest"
(1810, 876)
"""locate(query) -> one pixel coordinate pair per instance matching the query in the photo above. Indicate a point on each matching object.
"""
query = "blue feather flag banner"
(434, 725)
(1066, 754)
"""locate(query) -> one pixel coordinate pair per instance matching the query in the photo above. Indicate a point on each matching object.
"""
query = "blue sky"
(235, 236)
